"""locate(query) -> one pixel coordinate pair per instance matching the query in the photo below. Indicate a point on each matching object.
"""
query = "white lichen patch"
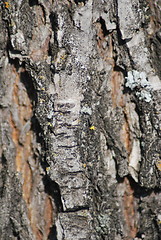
(138, 82)
(144, 95)
(18, 41)
(159, 217)
(87, 110)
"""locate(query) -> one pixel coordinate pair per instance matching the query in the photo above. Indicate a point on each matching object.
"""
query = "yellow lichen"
(63, 56)
(92, 128)
(42, 100)
(84, 165)
(7, 5)
(50, 124)
(54, 154)
(47, 169)
(158, 164)
(42, 77)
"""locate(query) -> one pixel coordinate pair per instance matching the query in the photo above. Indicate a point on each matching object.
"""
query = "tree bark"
(80, 120)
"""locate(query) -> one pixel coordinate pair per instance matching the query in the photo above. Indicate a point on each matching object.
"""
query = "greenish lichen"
(104, 223)
(138, 82)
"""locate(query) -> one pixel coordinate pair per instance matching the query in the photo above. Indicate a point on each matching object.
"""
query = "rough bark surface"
(80, 114)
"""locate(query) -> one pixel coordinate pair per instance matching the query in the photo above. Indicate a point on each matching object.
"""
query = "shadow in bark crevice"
(54, 23)
(80, 1)
(139, 191)
(53, 233)
(26, 79)
(33, 3)
(40, 153)
(103, 27)
(53, 190)
(3, 175)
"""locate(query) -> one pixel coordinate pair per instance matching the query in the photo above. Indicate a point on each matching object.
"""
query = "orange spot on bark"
(158, 164)
(7, 5)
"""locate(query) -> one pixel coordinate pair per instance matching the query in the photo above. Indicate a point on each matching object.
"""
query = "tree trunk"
(80, 120)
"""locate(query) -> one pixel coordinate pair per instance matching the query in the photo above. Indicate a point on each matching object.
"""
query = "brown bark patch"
(125, 136)
(155, 18)
(17, 121)
(40, 37)
(48, 215)
(117, 89)
(104, 43)
(20, 114)
(118, 100)
(41, 52)
(39, 205)
(129, 210)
